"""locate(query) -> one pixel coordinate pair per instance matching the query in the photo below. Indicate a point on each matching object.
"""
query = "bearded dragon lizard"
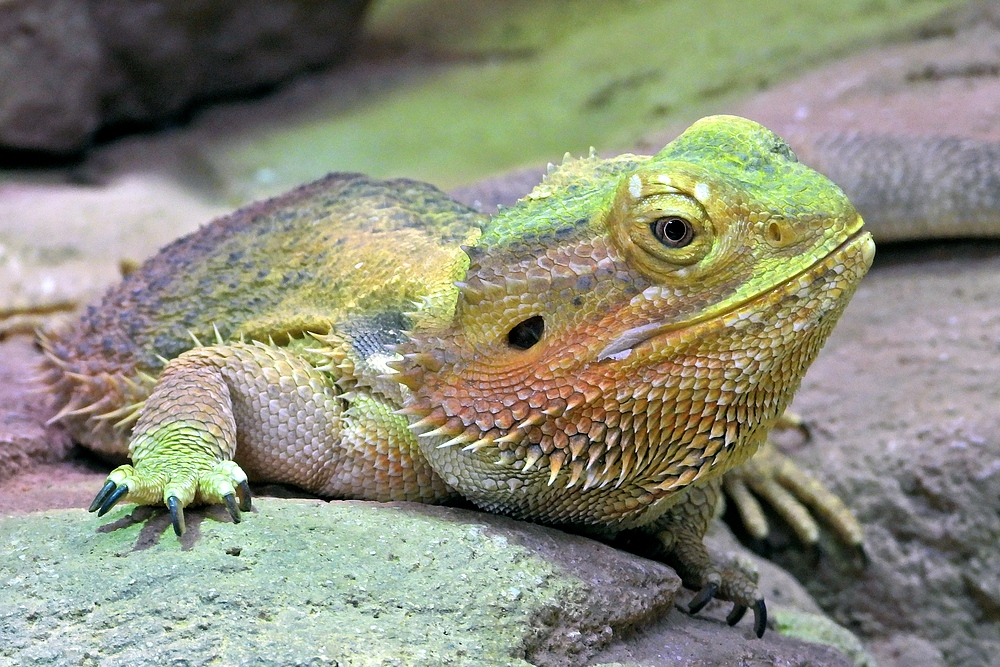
(596, 356)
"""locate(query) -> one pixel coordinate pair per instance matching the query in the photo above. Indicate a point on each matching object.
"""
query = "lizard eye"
(672, 231)
(660, 227)
(526, 333)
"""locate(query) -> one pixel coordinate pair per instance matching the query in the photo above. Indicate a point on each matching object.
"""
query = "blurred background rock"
(69, 68)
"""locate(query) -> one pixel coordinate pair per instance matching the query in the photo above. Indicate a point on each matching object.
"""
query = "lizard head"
(634, 325)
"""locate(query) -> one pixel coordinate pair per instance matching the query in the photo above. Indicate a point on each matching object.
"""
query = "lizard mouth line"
(622, 346)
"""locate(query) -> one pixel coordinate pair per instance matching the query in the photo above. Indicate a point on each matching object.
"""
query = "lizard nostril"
(774, 233)
(780, 233)
(526, 333)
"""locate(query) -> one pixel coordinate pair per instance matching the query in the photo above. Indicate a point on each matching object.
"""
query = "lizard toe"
(232, 506)
(736, 615)
(243, 495)
(176, 515)
(759, 617)
(112, 500)
(176, 509)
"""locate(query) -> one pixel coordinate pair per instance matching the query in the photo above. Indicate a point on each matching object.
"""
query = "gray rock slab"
(303, 582)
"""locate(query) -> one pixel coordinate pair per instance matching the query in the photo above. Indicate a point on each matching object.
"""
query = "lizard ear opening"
(526, 333)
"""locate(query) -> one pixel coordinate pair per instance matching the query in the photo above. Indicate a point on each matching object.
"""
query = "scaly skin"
(598, 356)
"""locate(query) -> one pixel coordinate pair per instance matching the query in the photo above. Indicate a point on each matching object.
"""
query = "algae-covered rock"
(820, 629)
(303, 582)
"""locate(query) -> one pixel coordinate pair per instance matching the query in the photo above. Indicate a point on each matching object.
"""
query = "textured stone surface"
(307, 582)
(304, 580)
(25, 439)
(912, 442)
(68, 67)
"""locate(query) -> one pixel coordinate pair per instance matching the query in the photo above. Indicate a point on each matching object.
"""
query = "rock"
(50, 86)
(911, 442)
(682, 639)
(347, 583)
(25, 438)
(820, 629)
(907, 650)
(489, 194)
(70, 67)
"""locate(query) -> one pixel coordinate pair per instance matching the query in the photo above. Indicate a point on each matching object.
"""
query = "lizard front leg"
(183, 443)
(221, 414)
(681, 531)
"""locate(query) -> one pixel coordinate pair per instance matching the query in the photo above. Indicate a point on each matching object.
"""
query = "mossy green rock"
(313, 583)
(352, 584)
(820, 629)
(501, 85)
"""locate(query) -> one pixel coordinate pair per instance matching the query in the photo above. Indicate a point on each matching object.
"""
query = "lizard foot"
(680, 532)
(686, 553)
(737, 587)
(798, 497)
(155, 481)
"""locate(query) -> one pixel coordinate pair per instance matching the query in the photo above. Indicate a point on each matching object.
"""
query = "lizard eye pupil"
(526, 333)
(672, 231)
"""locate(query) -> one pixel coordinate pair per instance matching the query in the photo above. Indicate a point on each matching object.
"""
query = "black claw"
(736, 615)
(702, 598)
(112, 500)
(102, 495)
(176, 515)
(243, 493)
(234, 509)
(759, 618)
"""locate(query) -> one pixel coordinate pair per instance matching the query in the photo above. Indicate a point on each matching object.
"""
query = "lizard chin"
(859, 242)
